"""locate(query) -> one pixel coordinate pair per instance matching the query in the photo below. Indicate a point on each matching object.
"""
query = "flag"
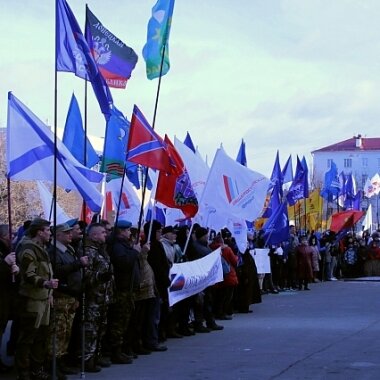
(375, 181)
(145, 146)
(369, 190)
(157, 39)
(276, 176)
(174, 189)
(195, 166)
(30, 155)
(73, 55)
(232, 190)
(130, 204)
(158, 213)
(192, 277)
(287, 171)
(114, 58)
(47, 205)
(331, 184)
(299, 186)
(314, 202)
(276, 228)
(350, 191)
(306, 178)
(274, 202)
(345, 219)
(241, 157)
(367, 222)
(189, 142)
(115, 143)
(74, 136)
(357, 201)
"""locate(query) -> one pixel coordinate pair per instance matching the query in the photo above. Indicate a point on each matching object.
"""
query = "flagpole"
(9, 202)
(54, 337)
(153, 125)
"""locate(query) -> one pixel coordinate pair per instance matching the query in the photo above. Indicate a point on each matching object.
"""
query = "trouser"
(61, 322)
(119, 317)
(32, 343)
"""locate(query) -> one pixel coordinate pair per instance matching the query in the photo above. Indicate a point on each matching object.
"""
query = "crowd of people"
(92, 296)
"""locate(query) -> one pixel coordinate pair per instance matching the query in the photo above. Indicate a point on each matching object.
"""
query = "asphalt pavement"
(330, 332)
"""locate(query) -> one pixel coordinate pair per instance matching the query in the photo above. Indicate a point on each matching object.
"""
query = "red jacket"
(230, 279)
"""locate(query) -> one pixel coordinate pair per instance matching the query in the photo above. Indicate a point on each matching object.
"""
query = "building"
(357, 155)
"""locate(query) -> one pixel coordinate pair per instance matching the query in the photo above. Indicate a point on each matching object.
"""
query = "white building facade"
(357, 155)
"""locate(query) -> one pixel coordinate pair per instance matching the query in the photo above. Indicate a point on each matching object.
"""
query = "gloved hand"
(104, 277)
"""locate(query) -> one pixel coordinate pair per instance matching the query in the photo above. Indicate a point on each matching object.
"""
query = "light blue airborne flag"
(157, 39)
(241, 157)
(74, 137)
(115, 144)
(30, 156)
(73, 55)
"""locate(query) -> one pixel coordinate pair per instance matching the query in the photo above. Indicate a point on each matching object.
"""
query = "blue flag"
(287, 171)
(299, 187)
(276, 228)
(73, 55)
(274, 201)
(276, 176)
(189, 142)
(73, 136)
(114, 58)
(331, 185)
(306, 178)
(157, 39)
(241, 157)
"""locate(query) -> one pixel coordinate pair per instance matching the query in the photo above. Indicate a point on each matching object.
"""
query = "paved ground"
(331, 332)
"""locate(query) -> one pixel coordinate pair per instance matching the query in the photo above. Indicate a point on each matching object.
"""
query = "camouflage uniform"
(67, 268)
(34, 305)
(99, 294)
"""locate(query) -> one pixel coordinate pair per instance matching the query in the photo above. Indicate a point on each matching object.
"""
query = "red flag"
(345, 219)
(175, 190)
(145, 146)
(87, 215)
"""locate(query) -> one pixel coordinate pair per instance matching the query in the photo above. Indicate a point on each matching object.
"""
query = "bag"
(225, 266)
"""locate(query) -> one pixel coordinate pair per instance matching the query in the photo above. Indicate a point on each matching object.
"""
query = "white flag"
(368, 189)
(30, 156)
(47, 206)
(192, 277)
(367, 222)
(197, 169)
(375, 182)
(232, 190)
(130, 204)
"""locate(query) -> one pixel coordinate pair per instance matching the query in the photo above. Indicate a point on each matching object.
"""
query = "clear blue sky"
(292, 75)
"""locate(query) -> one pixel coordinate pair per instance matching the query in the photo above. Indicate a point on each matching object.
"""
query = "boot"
(104, 361)
(39, 374)
(90, 366)
(119, 358)
(24, 375)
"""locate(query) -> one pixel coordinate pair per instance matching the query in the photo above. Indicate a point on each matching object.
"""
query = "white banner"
(192, 277)
(262, 260)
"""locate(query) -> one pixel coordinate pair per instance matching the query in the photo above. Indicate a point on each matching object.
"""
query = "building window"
(348, 162)
(365, 162)
(329, 162)
(364, 179)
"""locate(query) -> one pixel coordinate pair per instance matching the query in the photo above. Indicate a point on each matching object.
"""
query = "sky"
(287, 75)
